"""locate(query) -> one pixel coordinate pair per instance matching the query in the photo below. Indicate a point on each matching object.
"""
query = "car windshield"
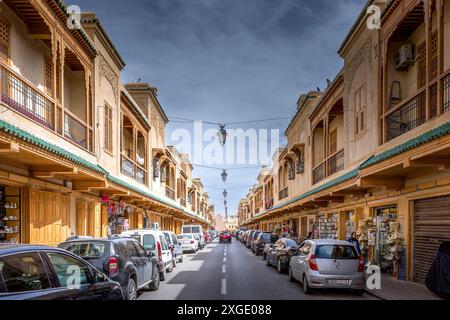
(185, 236)
(331, 251)
(225, 234)
(256, 234)
(195, 229)
(85, 250)
(265, 236)
(290, 243)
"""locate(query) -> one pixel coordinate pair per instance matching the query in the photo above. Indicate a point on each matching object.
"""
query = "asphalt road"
(233, 272)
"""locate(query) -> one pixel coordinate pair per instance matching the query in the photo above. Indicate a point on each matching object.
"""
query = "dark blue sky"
(228, 60)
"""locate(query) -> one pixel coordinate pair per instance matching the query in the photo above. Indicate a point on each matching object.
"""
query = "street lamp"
(225, 193)
(224, 175)
(222, 134)
(225, 203)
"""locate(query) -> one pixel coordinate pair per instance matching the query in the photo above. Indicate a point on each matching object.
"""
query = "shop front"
(10, 214)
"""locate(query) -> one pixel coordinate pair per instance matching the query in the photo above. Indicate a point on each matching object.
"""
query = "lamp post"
(225, 193)
(224, 175)
(222, 134)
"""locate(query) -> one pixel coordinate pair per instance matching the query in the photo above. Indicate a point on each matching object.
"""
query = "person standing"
(355, 242)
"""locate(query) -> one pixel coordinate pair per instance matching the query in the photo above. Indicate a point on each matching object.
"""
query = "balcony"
(133, 171)
(269, 204)
(407, 116)
(21, 96)
(446, 93)
(170, 193)
(183, 202)
(336, 162)
(283, 194)
(319, 173)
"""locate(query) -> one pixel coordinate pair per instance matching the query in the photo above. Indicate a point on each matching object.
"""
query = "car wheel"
(306, 288)
(155, 283)
(291, 277)
(162, 275)
(181, 259)
(131, 289)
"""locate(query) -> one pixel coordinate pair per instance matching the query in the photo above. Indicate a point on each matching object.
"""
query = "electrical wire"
(226, 169)
(186, 120)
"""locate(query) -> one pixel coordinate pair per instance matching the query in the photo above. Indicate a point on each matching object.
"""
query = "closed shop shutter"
(49, 218)
(431, 228)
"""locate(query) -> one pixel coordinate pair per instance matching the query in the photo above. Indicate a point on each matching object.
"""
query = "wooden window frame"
(359, 108)
(8, 43)
(108, 130)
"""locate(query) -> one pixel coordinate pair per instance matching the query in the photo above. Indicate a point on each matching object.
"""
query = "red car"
(207, 237)
(225, 237)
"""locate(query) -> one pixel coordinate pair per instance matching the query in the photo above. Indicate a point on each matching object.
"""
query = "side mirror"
(100, 277)
(151, 254)
(179, 243)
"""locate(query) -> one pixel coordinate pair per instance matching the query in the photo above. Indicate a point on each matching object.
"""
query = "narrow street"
(232, 272)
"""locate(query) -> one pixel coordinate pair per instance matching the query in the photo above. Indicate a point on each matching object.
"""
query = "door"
(303, 260)
(134, 257)
(49, 218)
(431, 228)
(146, 263)
(295, 262)
(167, 256)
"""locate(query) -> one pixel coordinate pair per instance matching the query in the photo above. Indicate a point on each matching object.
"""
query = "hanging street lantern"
(222, 134)
(225, 193)
(224, 175)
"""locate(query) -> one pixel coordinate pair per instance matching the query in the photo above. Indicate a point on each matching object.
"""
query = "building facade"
(371, 153)
(80, 152)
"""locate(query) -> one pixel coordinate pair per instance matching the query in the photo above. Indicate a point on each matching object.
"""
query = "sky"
(226, 61)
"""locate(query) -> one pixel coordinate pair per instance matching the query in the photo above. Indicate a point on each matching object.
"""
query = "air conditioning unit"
(406, 56)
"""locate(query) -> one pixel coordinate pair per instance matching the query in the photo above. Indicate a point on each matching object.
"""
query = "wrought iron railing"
(283, 194)
(407, 117)
(170, 193)
(75, 130)
(319, 173)
(141, 175)
(23, 98)
(336, 162)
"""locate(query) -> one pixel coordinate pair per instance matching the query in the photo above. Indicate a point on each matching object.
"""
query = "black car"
(263, 239)
(279, 254)
(123, 259)
(45, 273)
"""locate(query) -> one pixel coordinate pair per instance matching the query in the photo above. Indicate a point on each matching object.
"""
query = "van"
(154, 241)
(196, 229)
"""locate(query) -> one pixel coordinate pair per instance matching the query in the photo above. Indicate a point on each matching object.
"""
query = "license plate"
(339, 282)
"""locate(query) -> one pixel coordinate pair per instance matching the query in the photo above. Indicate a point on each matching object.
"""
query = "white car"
(188, 242)
(154, 241)
(197, 229)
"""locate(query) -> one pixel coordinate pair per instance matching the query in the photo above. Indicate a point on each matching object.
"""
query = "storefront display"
(387, 239)
(10, 215)
(328, 227)
(349, 224)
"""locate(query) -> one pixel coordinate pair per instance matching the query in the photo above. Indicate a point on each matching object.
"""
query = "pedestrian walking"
(355, 241)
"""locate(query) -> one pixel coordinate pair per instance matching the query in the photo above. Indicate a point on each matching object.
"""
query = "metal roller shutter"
(431, 228)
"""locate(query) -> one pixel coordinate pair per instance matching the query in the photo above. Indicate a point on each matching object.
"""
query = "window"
(335, 252)
(162, 239)
(434, 55)
(4, 40)
(421, 65)
(131, 249)
(108, 129)
(333, 142)
(141, 251)
(23, 272)
(69, 271)
(149, 242)
(86, 250)
(49, 75)
(360, 104)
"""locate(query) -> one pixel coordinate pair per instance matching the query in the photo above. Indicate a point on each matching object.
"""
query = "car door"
(149, 243)
(303, 259)
(273, 252)
(178, 251)
(167, 256)
(279, 249)
(134, 257)
(146, 263)
(25, 276)
(295, 261)
(78, 279)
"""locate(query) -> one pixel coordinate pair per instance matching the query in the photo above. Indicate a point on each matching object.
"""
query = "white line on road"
(224, 259)
(224, 269)
(223, 289)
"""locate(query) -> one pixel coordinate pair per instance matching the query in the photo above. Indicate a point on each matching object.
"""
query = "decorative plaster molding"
(106, 71)
(363, 55)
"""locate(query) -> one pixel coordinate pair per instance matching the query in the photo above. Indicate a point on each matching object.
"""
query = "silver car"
(320, 264)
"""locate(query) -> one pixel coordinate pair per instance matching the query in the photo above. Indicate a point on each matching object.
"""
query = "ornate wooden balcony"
(336, 162)
(283, 194)
(319, 173)
(170, 193)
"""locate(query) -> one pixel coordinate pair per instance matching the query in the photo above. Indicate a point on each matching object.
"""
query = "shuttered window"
(422, 65)
(49, 75)
(360, 105)
(108, 129)
(4, 40)
(434, 55)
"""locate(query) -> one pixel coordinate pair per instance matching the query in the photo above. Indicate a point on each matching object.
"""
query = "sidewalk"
(393, 289)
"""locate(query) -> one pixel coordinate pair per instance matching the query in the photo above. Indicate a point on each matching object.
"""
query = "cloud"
(228, 60)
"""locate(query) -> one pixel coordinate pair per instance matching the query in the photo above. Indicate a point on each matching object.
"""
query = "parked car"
(327, 264)
(41, 273)
(175, 247)
(249, 238)
(225, 237)
(263, 239)
(207, 237)
(154, 241)
(123, 259)
(188, 242)
(280, 253)
(253, 240)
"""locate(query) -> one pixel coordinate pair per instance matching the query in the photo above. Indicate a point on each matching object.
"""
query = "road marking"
(224, 259)
(223, 288)
(224, 269)
(225, 254)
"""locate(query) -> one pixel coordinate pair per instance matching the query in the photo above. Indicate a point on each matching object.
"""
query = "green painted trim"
(21, 134)
(424, 138)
